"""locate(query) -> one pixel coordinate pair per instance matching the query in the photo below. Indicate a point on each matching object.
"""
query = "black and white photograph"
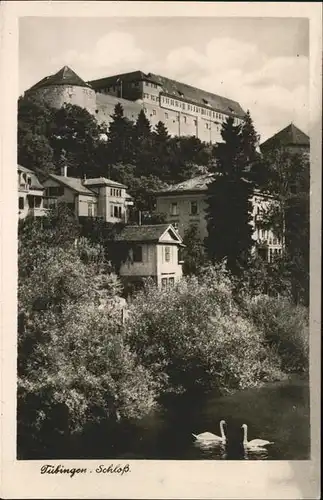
(163, 172)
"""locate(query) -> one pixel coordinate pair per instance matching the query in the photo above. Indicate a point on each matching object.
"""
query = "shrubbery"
(195, 336)
(285, 328)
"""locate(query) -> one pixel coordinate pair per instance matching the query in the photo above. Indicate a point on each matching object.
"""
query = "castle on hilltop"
(185, 110)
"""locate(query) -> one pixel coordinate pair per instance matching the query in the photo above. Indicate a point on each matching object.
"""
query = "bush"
(74, 365)
(194, 336)
(285, 327)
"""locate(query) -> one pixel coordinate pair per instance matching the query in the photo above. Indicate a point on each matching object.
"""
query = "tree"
(34, 123)
(194, 251)
(286, 176)
(229, 203)
(250, 145)
(75, 366)
(142, 142)
(76, 131)
(120, 143)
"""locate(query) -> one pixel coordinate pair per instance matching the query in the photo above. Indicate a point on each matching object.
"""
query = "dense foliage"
(287, 177)
(229, 198)
(74, 364)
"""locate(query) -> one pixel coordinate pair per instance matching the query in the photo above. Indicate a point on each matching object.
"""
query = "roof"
(176, 89)
(35, 183)
(198, 183)
(151, 233)
(73, 183)
(102, 181)
(65, 76)
(289, 136)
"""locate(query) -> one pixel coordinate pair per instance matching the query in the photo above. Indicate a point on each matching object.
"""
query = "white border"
(150, 479)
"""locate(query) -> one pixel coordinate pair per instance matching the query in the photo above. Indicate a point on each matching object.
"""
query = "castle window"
(195, 122)
(172, 102)
(166, 115)
(184, 118)
(21, 203)
(176, 104)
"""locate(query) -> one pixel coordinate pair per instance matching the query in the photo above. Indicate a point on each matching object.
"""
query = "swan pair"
(208, 437)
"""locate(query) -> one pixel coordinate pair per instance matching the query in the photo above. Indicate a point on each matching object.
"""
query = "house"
(185, 110)
(185, 204)
(30, 194)
(290, 138)
(152, 252)
(97, 197)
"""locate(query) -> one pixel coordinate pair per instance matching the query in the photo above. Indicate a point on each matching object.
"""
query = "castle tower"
(65, 86)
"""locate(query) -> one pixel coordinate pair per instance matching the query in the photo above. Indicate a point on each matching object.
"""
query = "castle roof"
(176, 89)
(152, 233)
(65, 76)
(289, 136)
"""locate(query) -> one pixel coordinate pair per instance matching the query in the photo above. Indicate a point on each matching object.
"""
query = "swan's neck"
(245, 435)
(222, 431)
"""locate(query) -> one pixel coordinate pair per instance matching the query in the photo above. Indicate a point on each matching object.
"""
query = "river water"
(278, 412)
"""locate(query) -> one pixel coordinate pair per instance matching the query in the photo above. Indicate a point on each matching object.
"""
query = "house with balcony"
(152, 252)
(185, 204)
(96, 197)
(30, 194)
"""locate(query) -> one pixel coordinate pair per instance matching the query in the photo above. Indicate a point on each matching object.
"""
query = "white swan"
(207, 437)
(254, 443)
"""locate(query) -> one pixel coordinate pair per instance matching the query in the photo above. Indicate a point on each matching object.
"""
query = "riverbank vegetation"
(80, 366)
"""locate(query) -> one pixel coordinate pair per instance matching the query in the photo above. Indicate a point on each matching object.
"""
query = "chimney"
(64, 171)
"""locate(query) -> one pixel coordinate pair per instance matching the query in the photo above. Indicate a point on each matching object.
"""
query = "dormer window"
(205, 101)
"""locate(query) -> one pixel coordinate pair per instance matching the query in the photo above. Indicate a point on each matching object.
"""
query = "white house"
(153, 252)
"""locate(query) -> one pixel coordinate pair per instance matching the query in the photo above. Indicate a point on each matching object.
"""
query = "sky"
(263, 63)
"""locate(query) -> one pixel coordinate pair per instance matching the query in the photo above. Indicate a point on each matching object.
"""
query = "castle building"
(290, 138)
(185, 204)
(185, 110)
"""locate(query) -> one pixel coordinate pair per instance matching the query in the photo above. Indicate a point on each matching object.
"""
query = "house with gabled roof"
(153, 251)
(96, 197)
(30, 193)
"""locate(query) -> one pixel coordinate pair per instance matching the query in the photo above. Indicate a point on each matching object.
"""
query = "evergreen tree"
(194, 251)
(142, 141)
(250, 144)
(229, 203)
(161, 152)
(120, 144)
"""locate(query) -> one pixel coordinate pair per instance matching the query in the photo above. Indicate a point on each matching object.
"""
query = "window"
(174, 209)
(55, 191)
(91, 209)
(175, 225)
(195, 122)
(176, 104)
(137, 253)
(177, 118)
(21, 203)
(117, 211)
(171, 282)
(166, 115)
(167, 254)
(172, 102)
(164, 283)
(184, 119)
(154, 112)
(193, 207)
